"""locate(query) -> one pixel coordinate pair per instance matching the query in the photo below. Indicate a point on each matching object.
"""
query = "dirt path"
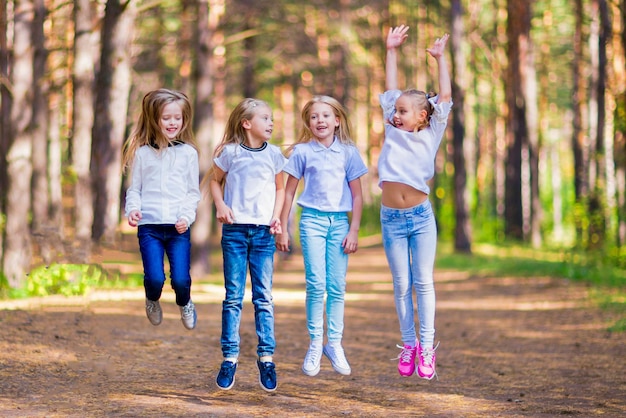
(509, 347)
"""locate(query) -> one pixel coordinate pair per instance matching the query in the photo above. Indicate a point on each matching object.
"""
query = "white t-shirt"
(326, 172)
(250, 188)
(409, 157)
(164, 185)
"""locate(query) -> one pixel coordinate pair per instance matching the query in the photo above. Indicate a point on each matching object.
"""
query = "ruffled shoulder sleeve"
(388, 103)
(441, 110)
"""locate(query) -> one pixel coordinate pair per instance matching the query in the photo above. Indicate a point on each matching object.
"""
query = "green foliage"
(61, 279)
(370, 220)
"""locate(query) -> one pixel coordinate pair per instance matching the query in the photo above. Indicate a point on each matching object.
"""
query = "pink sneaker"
(406, 360)
(426, 362)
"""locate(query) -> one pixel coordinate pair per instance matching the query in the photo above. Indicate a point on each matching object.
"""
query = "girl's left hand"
(350, 243)
(181, 226)
(438, 47)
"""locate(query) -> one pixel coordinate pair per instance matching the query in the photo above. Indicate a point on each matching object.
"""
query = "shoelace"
(405, 354)
(427, 355)
(151, 307)
(314, 354)
(188, 310)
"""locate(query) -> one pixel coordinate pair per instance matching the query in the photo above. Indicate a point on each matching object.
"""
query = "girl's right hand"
(224, 214)
(282, 242)
(134, 217)
(397, 36)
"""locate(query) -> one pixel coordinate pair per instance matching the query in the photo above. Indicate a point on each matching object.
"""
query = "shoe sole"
(226, 388)
(265, 388)
(311, 372)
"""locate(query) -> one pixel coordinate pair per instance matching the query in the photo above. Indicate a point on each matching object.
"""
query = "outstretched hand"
(397, 36)
(438, 47)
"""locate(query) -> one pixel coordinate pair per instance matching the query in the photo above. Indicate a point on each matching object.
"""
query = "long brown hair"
(147, 130)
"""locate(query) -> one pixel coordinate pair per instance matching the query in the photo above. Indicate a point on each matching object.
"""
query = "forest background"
(534, 155)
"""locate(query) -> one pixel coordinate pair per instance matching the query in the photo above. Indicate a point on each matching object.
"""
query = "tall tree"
(462, 233)
(113, 84)
(5, 116)
(207, 21)
(518, 33)
(83, 121)
(17, 245)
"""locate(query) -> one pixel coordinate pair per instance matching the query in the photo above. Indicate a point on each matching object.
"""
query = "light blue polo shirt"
(326, 173)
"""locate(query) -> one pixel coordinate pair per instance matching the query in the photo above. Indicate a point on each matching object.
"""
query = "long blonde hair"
(148, 132)
(343, 132)
(234, 133)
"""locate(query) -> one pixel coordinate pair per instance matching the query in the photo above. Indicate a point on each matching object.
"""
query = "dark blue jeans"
(243, 247)
(154, 242)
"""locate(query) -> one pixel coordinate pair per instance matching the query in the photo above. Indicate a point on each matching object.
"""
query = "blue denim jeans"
(248, 247)
(325, 265)
(155, 241)
(410, 242)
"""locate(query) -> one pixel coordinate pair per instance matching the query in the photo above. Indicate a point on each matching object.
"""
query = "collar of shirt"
(334, 147)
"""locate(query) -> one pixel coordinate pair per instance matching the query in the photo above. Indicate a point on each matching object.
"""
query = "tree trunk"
(17, 246)
(112, 91)
(203, 121)
(83, 123)
(5, 117)
(462, 232)
(518, 32)
(42, 229)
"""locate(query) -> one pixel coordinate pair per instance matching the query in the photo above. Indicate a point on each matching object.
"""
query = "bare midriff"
(401, 196)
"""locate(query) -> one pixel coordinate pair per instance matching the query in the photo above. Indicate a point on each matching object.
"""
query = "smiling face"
(171, 120)
(408, 117)
(323, 122)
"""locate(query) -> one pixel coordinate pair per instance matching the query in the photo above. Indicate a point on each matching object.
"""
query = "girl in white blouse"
(163, 197)
(415, 122)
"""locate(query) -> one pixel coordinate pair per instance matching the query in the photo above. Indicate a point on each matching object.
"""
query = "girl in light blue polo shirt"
(327, 159)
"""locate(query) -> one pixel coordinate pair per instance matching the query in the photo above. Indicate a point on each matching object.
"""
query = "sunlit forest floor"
(509, 347)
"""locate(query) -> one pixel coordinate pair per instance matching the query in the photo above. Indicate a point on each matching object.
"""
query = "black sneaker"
(226, 377)
(267, 375)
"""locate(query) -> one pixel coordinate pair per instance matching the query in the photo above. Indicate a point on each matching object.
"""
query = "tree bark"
(17, 245)
(518, 32)
(83, 123)
(112, 92)
(462, 232)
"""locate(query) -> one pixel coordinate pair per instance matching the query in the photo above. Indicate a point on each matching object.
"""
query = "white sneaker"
(334, 352)
(153, 311)
(188, 315)
(313, 358)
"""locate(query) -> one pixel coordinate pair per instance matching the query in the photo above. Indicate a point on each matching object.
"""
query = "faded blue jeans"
(325, 265)
(154, 242)
(248, 247)
(410, 242)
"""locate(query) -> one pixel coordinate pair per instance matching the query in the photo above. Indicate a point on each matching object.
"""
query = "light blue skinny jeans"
(325, 265)
(410, 242)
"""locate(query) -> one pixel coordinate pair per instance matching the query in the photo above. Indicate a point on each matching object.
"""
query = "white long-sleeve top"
(165, 185)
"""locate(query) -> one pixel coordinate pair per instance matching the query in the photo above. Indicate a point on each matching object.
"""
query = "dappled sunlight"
(506, 305)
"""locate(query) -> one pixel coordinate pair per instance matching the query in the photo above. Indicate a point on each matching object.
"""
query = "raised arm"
(445, 85)
(395, 39)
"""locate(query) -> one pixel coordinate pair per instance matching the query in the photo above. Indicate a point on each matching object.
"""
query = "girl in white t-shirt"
(415, 122)
(246, 183)
(326, 158)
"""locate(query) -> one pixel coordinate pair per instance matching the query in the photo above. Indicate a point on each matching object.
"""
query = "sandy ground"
(508, 347)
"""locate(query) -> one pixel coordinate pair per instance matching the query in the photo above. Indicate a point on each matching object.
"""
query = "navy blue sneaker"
(267, 375)
(226, 377)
